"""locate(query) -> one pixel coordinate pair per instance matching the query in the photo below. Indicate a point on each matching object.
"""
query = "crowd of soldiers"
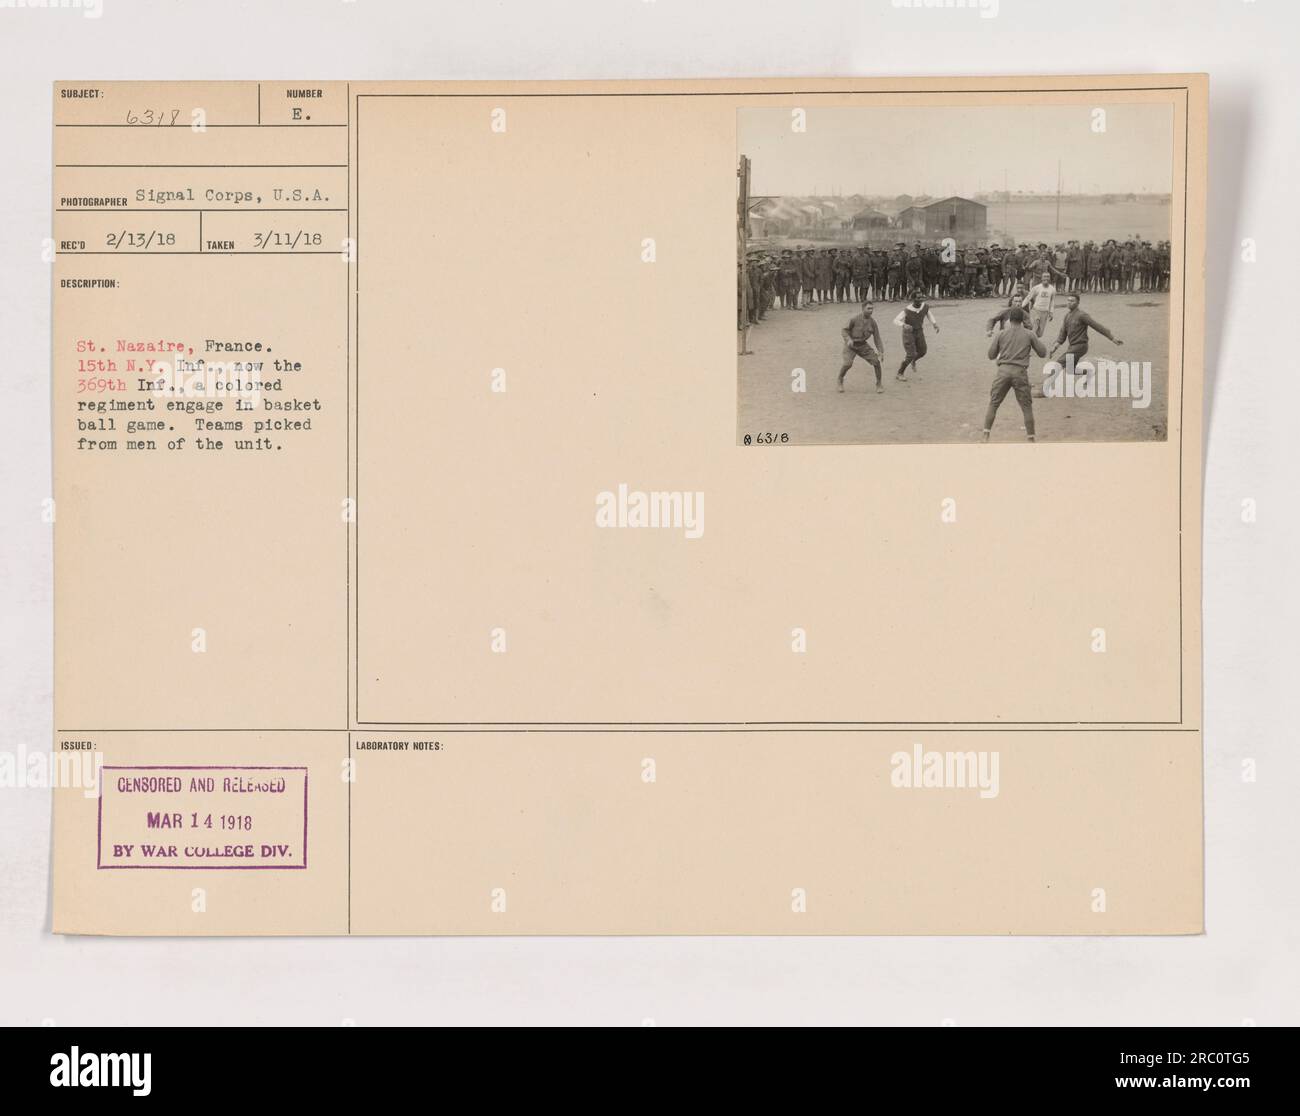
(805, 278)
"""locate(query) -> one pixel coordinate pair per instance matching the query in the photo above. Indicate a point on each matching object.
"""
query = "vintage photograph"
(953, 274)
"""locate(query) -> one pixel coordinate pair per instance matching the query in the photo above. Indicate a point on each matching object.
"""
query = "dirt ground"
(945, 400)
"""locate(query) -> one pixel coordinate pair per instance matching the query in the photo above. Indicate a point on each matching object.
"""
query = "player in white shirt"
(912, 320)
(1039, 303)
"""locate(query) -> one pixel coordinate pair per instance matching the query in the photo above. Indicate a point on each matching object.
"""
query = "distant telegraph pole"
(1058, 195)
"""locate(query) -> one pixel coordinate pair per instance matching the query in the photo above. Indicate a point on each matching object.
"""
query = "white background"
(1243, 968)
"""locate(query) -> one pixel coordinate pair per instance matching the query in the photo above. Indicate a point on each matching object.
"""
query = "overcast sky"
(941, 151)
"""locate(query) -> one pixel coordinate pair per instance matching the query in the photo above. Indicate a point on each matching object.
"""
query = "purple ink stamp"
(242, 818)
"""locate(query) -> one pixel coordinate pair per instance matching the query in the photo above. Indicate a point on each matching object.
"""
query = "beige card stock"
(435, 554)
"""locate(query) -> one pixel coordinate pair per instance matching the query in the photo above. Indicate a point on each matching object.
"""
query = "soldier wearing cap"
(808, 276)
(1073, 266)
(957, 275)
(897, 265)
(823, 274)
(861, 273)
(913, 269)
(843, 274)
(1093, 260)
(972, 266)
(1127, 262)
(947, 270)
(1149, 259)
(931, 268)
(1110, 265)
(789, 280)
(987, 271)
(1009, 272)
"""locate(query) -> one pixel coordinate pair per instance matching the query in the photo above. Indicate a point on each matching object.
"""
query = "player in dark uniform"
(1074, 331)
(1000, 319)
(1012, 348)
(912, 319)
(858, 335)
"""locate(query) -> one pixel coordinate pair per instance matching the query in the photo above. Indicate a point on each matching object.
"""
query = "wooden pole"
(1058, 195)
(742, 250)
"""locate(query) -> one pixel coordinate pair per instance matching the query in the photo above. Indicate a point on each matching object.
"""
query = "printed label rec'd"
(203, 817)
